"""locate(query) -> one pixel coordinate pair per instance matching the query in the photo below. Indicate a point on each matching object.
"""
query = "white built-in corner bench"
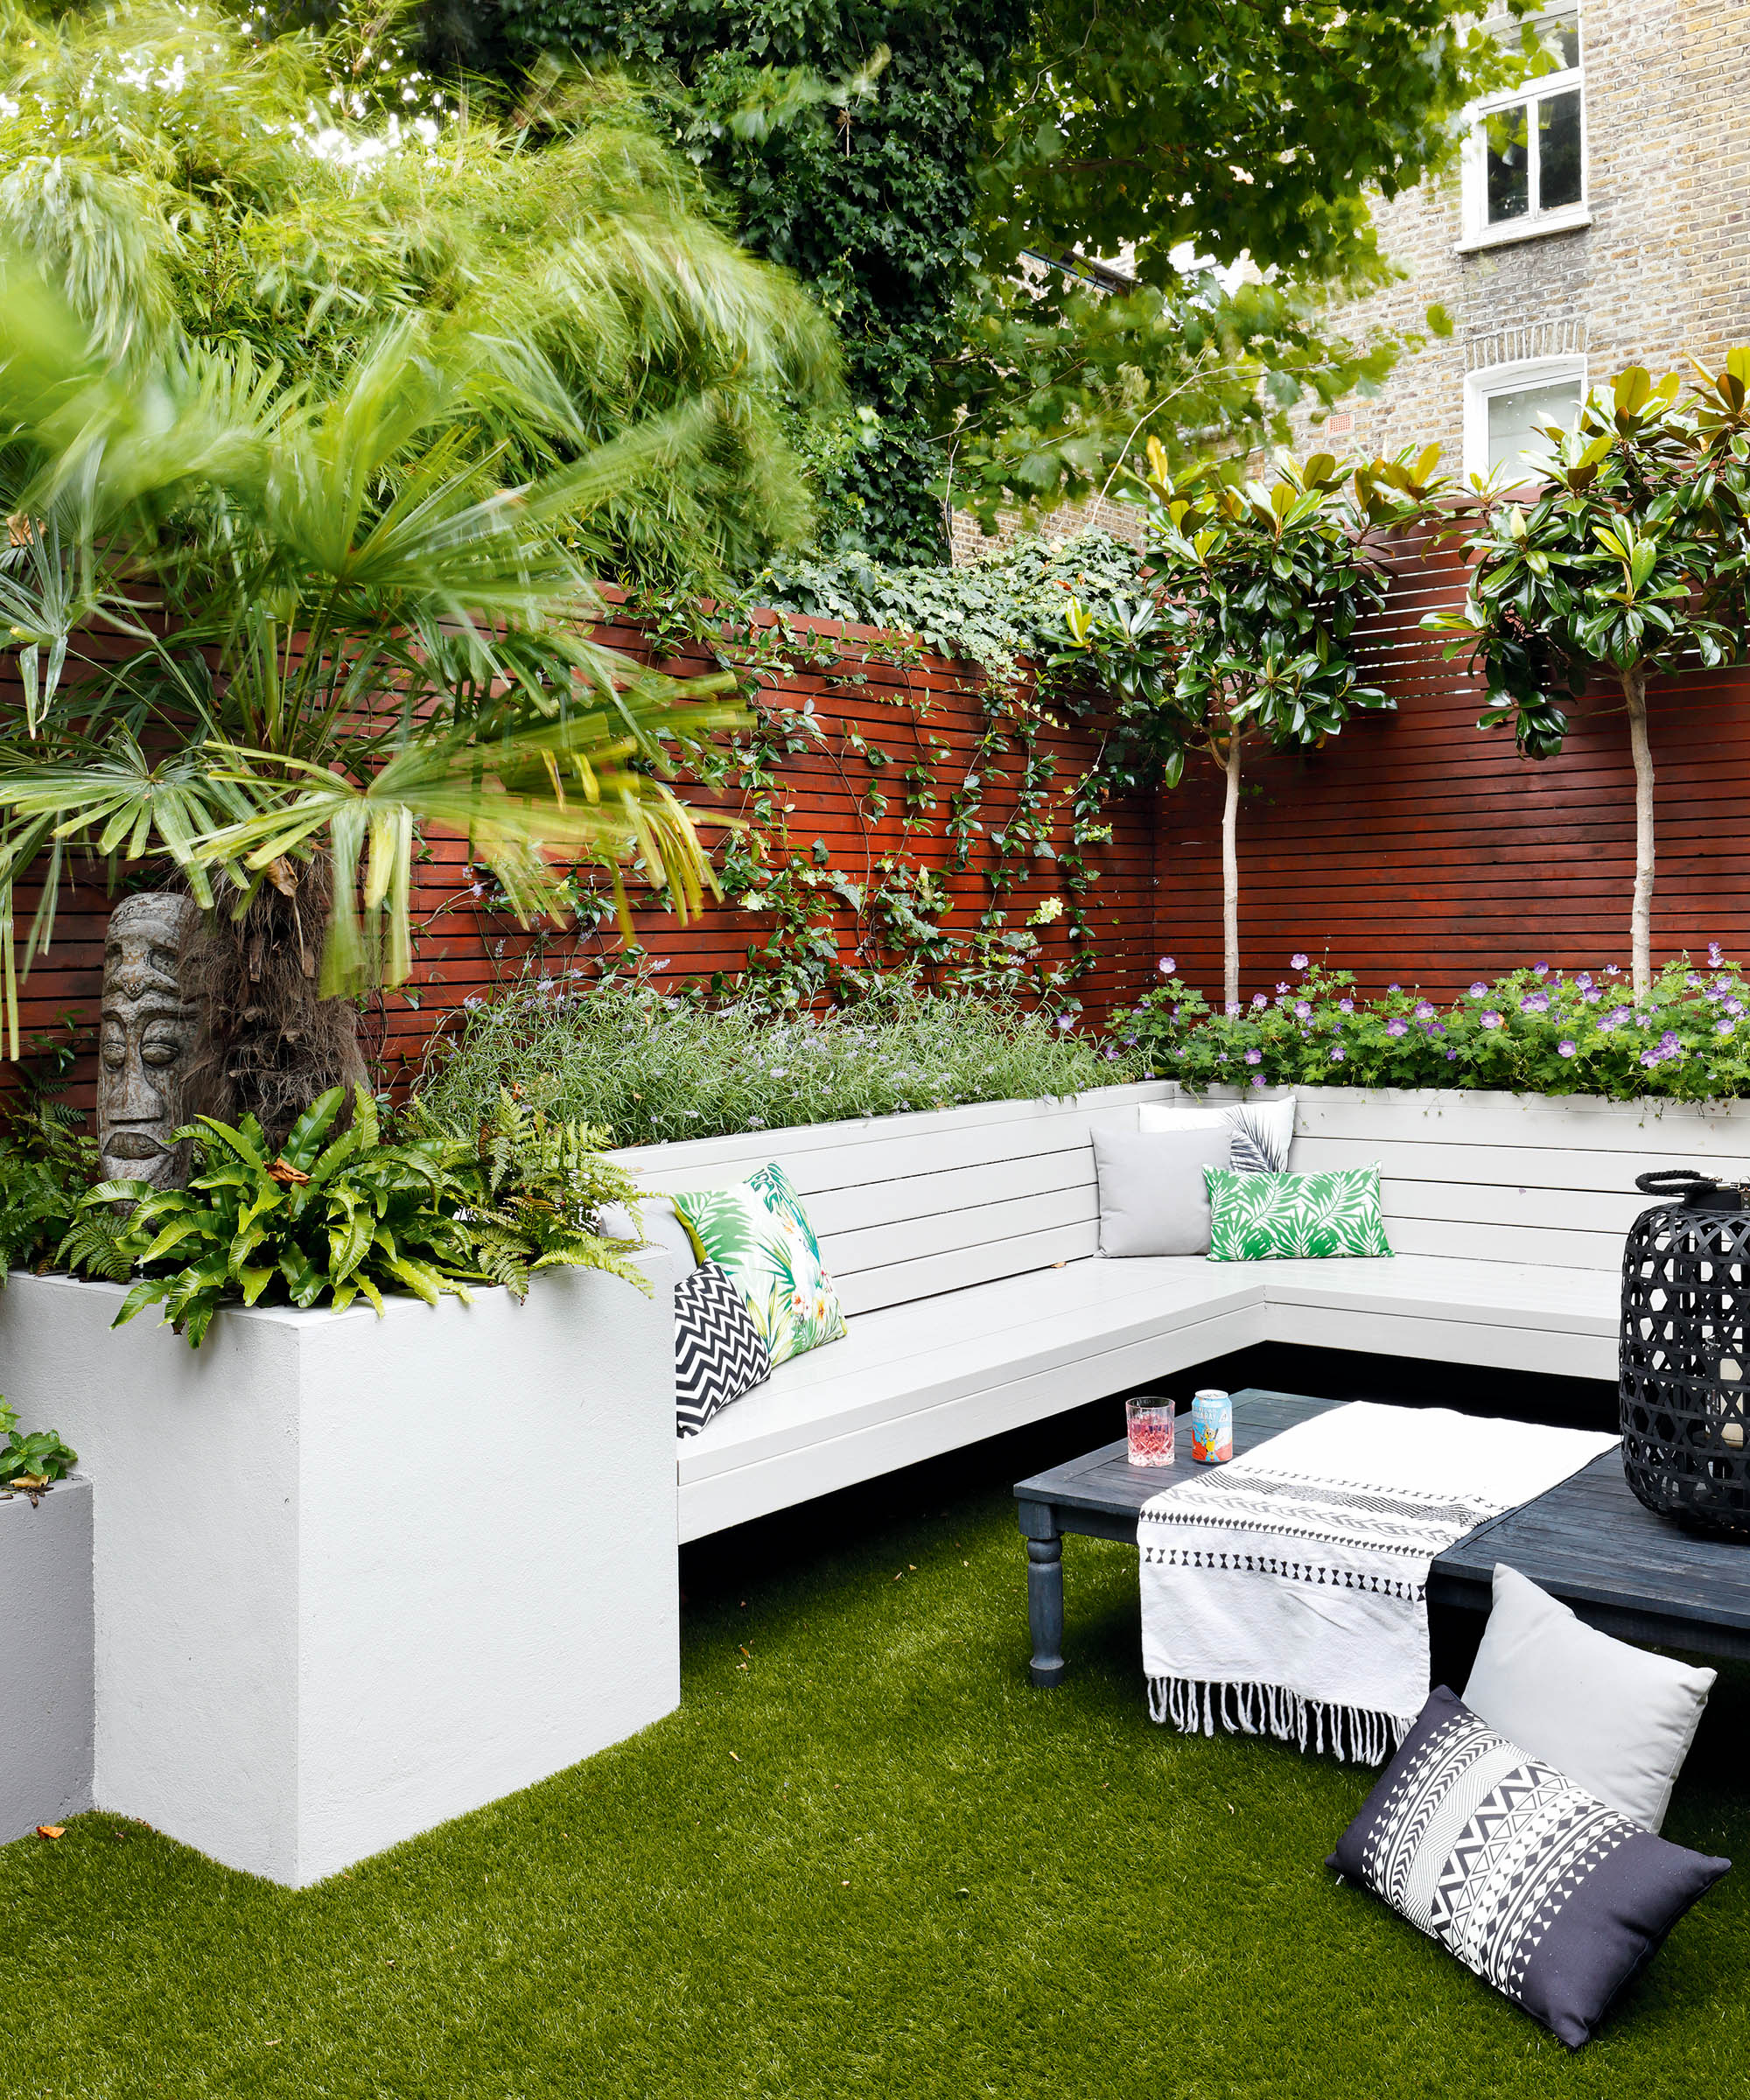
(964, 1243)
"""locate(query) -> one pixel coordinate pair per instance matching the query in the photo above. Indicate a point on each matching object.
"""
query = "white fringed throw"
(1285, 1594)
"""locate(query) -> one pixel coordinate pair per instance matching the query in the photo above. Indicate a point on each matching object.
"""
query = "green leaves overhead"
(1631, 555)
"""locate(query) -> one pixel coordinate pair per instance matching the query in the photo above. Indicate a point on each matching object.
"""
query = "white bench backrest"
(1514, 1178)
(907, 1207)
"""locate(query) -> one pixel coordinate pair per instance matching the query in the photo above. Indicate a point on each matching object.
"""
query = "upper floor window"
(1525, 170)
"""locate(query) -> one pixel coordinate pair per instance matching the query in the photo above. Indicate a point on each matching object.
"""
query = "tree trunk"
(1640, 919)
(1230, 874)
(270, 1044)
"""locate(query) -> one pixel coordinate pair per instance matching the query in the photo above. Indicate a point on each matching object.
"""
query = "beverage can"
(1212, 1428)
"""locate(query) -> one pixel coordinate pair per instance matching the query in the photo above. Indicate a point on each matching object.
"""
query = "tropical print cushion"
(758, 1232)
(1285, 1217)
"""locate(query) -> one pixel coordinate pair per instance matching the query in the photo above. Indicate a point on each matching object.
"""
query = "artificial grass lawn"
(865, 1857)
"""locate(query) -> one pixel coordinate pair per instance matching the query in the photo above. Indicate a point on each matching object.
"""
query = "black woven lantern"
(1684, 1377)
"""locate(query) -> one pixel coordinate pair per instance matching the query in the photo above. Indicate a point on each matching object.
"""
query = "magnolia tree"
(1629, 562)
(1258, 591)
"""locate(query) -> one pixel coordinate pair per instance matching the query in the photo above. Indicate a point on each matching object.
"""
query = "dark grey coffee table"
(1587, 1542)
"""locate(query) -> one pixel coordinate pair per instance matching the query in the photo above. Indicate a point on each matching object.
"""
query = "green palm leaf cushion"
(760, 1233)
(1288, 1217)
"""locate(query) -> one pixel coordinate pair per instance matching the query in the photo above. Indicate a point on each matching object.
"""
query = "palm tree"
(347, 519)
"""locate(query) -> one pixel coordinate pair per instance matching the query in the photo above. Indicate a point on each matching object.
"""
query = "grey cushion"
(661, 1227)
(1153, 1197)
(1617, 1720)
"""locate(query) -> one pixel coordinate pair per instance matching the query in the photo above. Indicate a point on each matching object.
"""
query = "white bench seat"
(913, 1381)
(963, 1243)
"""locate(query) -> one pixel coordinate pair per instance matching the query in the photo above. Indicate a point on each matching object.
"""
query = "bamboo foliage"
(322, 405)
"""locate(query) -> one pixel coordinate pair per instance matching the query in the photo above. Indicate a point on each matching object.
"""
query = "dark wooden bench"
(1587, 1542)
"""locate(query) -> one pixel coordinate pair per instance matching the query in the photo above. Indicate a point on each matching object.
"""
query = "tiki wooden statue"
(149, 1027)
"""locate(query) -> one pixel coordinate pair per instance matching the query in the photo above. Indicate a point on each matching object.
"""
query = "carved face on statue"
(148, 1039)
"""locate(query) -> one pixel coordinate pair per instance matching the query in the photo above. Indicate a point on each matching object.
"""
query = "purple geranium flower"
(1491, 1018)
(1302, 1010)
(1565, 1048)
(1591, 996)
(1734, 1007)
(1611, 970)
(1583, 980)
(1714, 954)
(1424, 1011)
(1282, 988)
(1437, 1028)
(1478, 990)
(1725, 1027)
(1394, 988)
(1258, 1079)
(1167, 966)
(1233, 1008)
(1345, 1005)
(1540, 970)
(1254, 1057)
(1065, 1021)
(1338, 1055)
(1260, 999)
(1398, 1028)
(1297, 962)
(1452, 1053)
(1535, 1002)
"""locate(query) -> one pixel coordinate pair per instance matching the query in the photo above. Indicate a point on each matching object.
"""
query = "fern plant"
(539, 1187)
(46, 1163)
(324, 1220)
(330, 1219)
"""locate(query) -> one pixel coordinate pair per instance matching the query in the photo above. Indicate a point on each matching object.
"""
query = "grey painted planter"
(48, 1707)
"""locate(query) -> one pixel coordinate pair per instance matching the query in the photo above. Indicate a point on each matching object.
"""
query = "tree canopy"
(188, 178)
(954, 183)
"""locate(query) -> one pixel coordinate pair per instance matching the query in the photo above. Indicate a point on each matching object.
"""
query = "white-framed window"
(1507, 408)
(1524, 160)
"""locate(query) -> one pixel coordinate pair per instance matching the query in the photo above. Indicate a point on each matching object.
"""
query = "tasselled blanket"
(1286, 1593)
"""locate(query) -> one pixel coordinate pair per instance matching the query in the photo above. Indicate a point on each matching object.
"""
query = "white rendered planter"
(353, 1576)
(47, 1707)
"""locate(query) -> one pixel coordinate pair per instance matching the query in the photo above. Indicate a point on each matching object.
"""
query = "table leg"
(1045, 1591)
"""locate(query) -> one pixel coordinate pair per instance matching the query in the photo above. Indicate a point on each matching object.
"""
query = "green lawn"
(865, 1857)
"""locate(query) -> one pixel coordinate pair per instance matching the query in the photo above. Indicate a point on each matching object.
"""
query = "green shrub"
(1535, 1031)
(642, 1066)
(327, 1219)
(46, 1163)
(31, 1461)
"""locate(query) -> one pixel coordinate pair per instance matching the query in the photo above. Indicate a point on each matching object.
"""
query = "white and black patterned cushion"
(1261, 1135)
(1534, 1883)
(718, 1351)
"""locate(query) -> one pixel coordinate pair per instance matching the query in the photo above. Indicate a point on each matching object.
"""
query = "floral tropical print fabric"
(760, 1233)
(1288, 1217)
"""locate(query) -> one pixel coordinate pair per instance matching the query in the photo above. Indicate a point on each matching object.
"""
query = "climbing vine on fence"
(886, 899)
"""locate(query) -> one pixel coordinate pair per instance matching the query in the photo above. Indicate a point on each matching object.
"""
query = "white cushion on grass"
(1617, 1720)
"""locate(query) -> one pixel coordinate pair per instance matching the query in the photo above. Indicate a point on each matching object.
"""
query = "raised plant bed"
(353, 1575)
(48, 1709)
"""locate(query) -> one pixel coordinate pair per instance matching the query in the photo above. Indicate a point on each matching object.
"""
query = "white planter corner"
(356, 1576)
(48, 1708)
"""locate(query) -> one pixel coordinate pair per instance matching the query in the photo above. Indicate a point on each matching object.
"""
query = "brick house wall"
(1662, 270)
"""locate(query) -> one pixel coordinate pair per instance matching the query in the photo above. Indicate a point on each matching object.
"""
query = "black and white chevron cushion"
(718, 1351)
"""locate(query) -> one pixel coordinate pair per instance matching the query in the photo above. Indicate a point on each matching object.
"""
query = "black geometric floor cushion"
(718, 1352)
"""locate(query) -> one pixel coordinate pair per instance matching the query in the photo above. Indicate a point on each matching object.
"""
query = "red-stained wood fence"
(1412, 848)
